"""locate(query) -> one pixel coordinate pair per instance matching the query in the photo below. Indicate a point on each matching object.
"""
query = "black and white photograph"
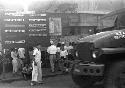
(62, 43)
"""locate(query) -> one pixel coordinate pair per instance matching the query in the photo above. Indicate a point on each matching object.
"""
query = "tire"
(83, 81)
(115, 75)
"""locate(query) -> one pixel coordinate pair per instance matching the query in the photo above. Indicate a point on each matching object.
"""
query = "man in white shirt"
(21, 53)
(37, 62)
(52, 50)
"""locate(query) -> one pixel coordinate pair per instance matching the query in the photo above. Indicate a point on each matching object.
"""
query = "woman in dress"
(14, 54)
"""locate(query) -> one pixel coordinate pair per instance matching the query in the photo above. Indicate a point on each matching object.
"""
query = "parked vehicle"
(101, 56)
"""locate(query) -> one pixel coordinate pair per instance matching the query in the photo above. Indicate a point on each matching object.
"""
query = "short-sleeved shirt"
(58, 49)
(37, 54)
(52, 49)
(21, 52)
(70, 49)
(65, 47)
(14, 55)
(63, 53)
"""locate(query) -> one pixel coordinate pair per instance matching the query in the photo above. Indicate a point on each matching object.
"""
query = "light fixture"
(94, 55)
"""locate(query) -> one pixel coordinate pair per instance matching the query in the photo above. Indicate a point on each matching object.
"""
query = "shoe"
(31, 84)
(63, 71)
(67, 69)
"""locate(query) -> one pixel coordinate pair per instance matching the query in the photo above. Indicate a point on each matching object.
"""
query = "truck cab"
(101, 56)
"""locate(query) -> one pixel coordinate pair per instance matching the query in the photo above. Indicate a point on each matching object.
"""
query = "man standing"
(52, 50)
(21, 52)
(37, 62)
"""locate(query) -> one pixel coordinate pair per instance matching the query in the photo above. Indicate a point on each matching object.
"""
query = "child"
(27, 72)
(63, 56)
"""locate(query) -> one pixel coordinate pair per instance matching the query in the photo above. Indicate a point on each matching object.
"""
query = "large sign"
(20, 30)
(55, 27)
(13, 30)
(38, 29)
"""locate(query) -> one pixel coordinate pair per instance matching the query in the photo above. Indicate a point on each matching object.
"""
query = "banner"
(55, 27)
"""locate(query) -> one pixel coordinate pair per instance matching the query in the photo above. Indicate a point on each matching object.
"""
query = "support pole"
(3, 63)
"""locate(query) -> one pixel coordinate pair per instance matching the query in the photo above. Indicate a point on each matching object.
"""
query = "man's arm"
(48, 50)
(34, 54)
(12, 55)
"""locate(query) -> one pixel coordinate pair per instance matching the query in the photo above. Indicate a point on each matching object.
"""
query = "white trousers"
(39, 71)
(34, 73)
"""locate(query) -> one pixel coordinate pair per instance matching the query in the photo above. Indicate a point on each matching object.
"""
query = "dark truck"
(101, 56)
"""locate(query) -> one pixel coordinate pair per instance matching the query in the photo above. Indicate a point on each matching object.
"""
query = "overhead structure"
(114, 13)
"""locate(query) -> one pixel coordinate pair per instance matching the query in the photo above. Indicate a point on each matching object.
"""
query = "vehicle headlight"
(95, 54)
(76, 53)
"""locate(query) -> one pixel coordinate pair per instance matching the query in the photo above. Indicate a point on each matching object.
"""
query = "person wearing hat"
(52, 50)
(63, 45)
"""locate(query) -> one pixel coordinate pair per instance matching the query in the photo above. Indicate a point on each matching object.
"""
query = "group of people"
(17, 55)
(57, 54)
(33, 69)
(60, 53)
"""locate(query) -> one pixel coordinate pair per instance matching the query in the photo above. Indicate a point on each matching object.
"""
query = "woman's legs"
(15, 66)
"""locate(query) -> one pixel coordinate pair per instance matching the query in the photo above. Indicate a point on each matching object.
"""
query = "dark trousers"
(52, 59)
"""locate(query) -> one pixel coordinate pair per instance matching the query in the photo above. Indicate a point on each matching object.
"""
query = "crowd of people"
(58, 56)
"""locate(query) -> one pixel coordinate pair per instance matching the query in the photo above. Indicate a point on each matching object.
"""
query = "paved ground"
(46, 73)
(59, 81)
(52, 80)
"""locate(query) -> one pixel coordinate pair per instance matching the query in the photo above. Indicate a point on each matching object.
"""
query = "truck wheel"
(115, 76)
(83, 81)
